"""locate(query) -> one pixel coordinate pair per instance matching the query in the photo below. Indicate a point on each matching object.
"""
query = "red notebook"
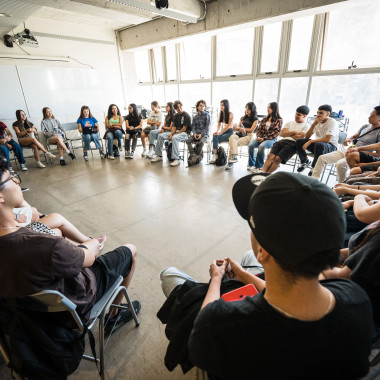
(241, 293)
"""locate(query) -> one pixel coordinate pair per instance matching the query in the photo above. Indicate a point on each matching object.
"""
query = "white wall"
(104, 58)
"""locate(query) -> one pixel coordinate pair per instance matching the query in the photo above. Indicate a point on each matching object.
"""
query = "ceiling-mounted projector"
(23, 38)
(162, 4)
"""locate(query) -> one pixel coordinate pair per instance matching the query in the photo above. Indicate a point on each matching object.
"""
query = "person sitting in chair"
(31, 262)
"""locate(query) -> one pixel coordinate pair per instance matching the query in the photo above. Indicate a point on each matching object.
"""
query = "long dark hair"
(81, 116)
(373, 231)
(170, 114)
(225, 115)
(135, 112)
(252, 107)
(109, 113)
(275, 112)
(18, 115)
(44, 113)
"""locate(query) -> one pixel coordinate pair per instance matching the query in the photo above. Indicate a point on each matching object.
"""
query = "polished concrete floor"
(177, 216)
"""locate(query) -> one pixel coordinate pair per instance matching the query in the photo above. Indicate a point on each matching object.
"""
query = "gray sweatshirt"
(201, 124)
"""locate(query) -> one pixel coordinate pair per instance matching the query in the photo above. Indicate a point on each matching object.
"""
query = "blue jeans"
(16, 147)
(258, 161)
(91, 137)
(217, 139)
(110, 137)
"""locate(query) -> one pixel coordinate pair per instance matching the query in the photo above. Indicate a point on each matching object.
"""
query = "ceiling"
(100, 13)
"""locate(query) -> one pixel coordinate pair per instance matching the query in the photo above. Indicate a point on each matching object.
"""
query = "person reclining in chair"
(31, 262)
(297, 327)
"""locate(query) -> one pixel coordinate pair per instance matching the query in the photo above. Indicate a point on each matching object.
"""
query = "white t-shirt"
(293, 126)
(155, 116)
(330, 127)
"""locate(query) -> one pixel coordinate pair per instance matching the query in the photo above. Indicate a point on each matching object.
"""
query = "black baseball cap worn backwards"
(292, 216)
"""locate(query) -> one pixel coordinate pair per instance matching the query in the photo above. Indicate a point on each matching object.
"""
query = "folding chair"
(51, 301)
(72, 135)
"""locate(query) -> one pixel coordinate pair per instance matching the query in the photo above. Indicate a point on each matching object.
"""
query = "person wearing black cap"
(296, 327)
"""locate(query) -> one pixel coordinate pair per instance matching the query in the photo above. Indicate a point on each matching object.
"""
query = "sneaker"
(40, 164)
(49, 155)
(101, 154)
(156, 159)
(127, 154)
(132, 155)
(24, 168)
(229, 166)
(213, 158)
(174, 163)
(101, 241)
(23, 189)
(233, 159)
(111, 157)
(72, 155)
(10, 169)
(117, 153)
(256, 170)
(121, 149)
(249, 168)
(85, 156)
(62, 162)
(143, 154)
(124, 316)
(303, 166)
(150, 153)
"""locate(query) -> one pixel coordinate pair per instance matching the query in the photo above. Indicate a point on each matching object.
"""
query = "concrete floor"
(175, 216)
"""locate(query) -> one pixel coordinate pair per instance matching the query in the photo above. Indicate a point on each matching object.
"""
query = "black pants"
(131, 135)
(318, 149)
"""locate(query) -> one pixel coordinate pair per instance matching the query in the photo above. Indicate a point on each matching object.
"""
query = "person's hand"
(342, 184)
(21, 218)
(215, 133)
(366, 198)
(234, 270)
(9, 146)
(35, 214)
(341, 190)
(260, 139)
(347, 142)
(346, 205)
(162, 131)
(217, 269)
(306, 145)
(351, 150)
(170, 137)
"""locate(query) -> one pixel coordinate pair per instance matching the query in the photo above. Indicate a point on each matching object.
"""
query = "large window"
(238, 93)
(266, 91)
(158, 70)
(190, 93)
(271, 47)
(300, 43)
(142, 66)
(195, 56)
(143, 96)
(234, 52)
(353, 35)
(158, 93)
(171, 92)
(293, 95)
(356, 95)
(171, 62)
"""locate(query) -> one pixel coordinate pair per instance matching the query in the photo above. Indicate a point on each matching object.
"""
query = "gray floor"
(175, 216)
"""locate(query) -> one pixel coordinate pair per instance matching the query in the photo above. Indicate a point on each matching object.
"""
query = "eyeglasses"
(15, 178)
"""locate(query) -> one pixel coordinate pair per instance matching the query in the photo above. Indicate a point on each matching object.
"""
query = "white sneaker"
(40, 164)
(156, 159)
(49, 155)
(213, 159)
(24, 168)
(111, 157)
(256, 170)
(175, 163)
(143, 154)
(233, 159)
(229, 166)
(150, 153)
(121, 149)
(249, 168)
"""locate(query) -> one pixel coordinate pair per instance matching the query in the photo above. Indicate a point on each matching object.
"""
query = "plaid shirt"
(271, 133)
(3, 132)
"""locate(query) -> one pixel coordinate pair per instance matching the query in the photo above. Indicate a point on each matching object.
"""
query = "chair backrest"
(52, 301)
(71, 130)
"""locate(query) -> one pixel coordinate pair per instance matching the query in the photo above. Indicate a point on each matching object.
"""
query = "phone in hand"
(239, 294)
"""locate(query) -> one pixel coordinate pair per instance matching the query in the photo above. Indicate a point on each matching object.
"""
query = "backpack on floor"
(222, 157)
(169, 151)
(40, 346)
